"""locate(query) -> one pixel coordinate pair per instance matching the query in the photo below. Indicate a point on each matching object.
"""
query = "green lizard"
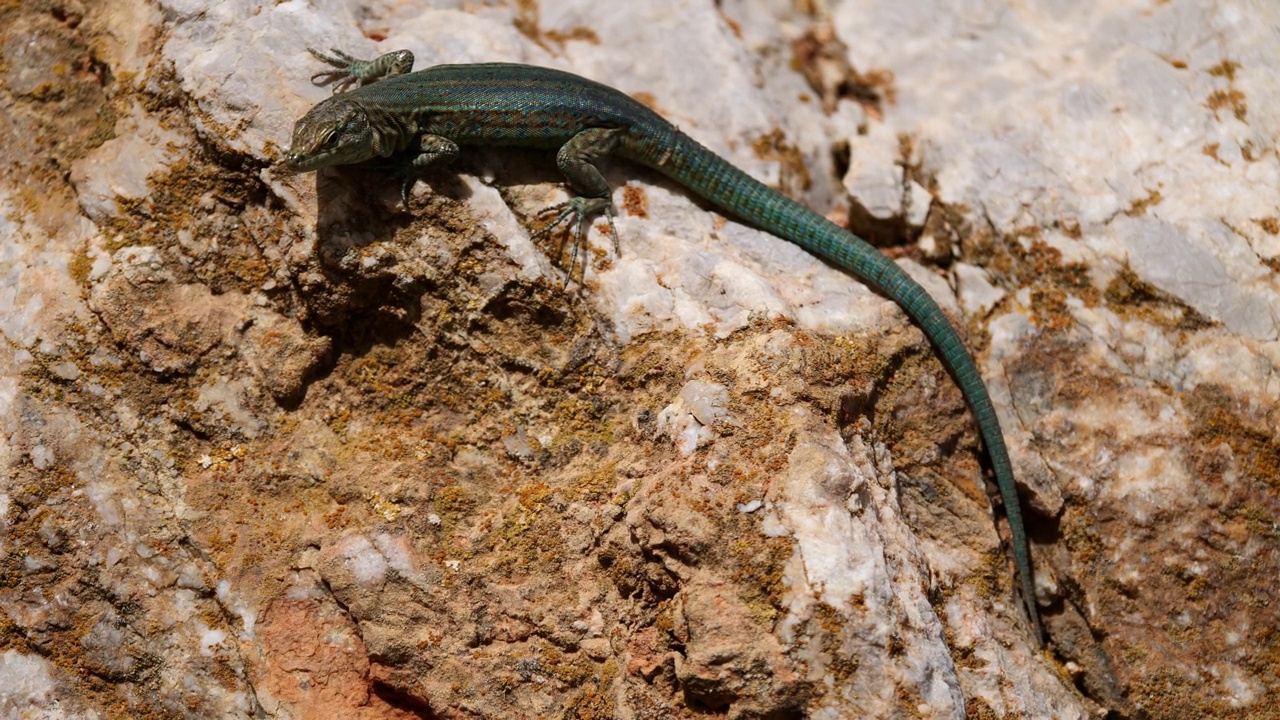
(428, 114)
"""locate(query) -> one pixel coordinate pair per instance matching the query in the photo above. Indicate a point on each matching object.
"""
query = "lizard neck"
(391, 132)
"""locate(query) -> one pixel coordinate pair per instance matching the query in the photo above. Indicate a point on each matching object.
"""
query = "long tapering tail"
(716, 180)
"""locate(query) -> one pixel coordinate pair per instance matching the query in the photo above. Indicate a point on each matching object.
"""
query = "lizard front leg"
(434, 151)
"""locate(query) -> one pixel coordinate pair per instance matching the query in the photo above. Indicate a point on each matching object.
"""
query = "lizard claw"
(405, 186)
(343, 77)
(408, 177)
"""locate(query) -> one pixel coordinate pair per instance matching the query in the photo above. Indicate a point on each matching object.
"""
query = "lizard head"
(335, 132)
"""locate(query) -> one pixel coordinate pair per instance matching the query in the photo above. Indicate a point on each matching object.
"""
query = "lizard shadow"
(359, 205)
(364, 231)
(356, 290)
(368, 285)
(376, 261)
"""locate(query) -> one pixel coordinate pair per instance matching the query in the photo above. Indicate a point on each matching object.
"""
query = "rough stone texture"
(273, 446)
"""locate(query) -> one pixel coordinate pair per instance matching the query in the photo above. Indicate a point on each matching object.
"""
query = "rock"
(276, 446)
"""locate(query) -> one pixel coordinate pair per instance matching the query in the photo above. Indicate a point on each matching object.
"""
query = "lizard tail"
(716, 180)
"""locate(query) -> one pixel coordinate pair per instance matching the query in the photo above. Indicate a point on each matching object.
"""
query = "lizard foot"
(580, 209)
(353, 71)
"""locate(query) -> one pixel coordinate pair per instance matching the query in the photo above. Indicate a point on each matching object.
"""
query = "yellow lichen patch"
(528, 537)
(81, 265)
(205, 213)
(761, 562)
(986, 580)
(384, 508)
(572, 670)
(831, 626)
(596, 485)
(1219, 422)
(1083, 540)
(453, 503)
(590, 703)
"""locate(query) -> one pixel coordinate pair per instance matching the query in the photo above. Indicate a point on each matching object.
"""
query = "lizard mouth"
(286, 165)
(296, 162)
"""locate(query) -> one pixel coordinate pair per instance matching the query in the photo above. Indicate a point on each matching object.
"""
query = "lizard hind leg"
(353, 71)
(576, 160)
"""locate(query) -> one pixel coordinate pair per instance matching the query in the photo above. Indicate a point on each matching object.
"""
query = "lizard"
(429, 114)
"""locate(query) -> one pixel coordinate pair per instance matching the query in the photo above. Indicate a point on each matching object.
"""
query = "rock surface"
(273, 446)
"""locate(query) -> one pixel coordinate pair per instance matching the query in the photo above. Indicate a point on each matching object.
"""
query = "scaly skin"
(427, 114)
